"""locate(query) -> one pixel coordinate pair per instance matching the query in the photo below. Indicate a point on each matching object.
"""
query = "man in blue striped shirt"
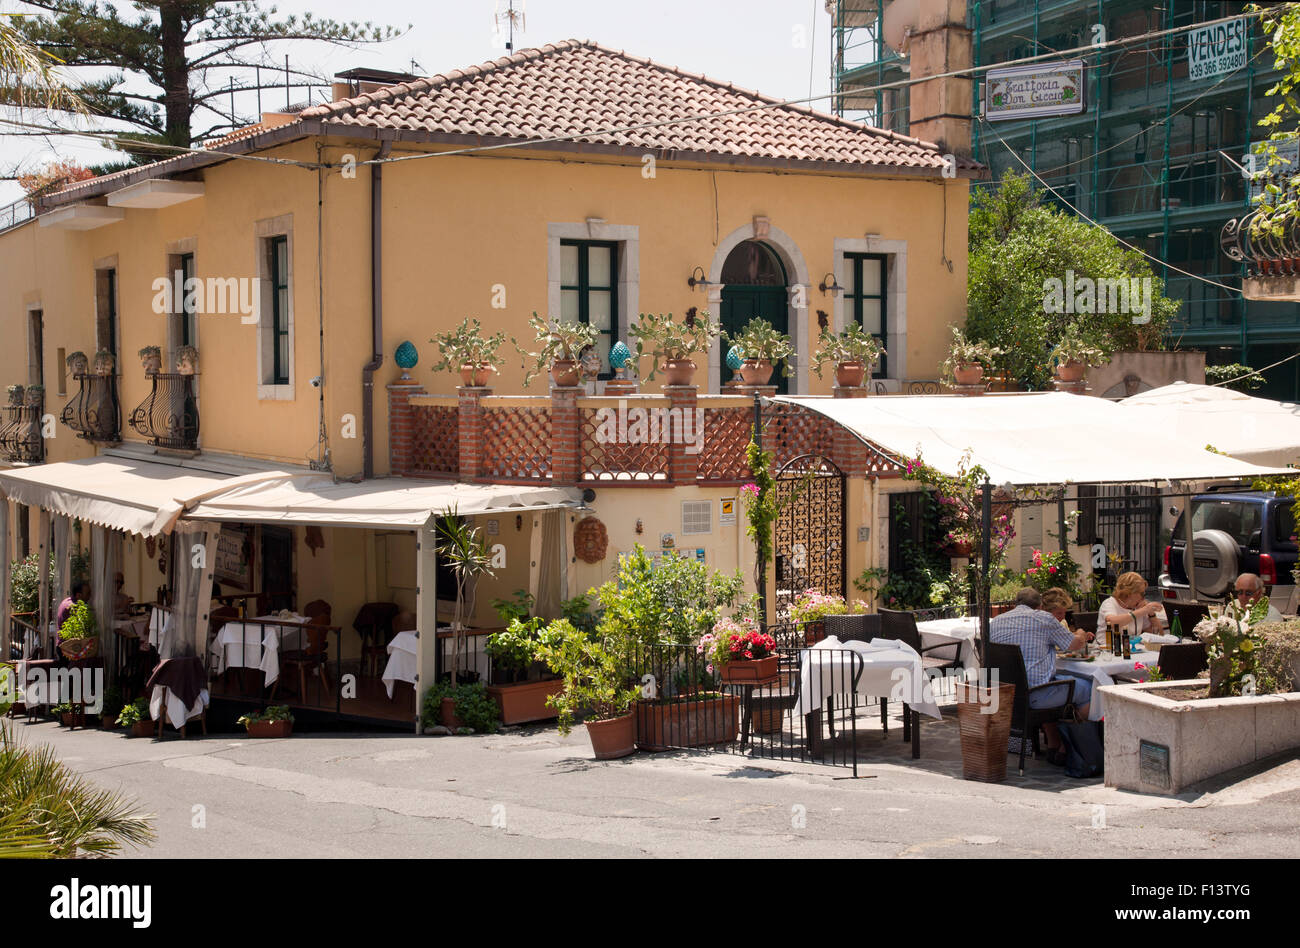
(1039, 635)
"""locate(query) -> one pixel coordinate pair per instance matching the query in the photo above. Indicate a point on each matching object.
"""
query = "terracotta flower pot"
(476, 375)
(756, 371)
(1070, 371)
(751, 671)
(142, 728)
(970, 374)
(525, 701)
(565, 373)
(447, 713)
(270, 728)
(73, 719)
(958, 549)
(152, 364)
(613, 738)
(698, 723)
(850, 374)
(679, 371)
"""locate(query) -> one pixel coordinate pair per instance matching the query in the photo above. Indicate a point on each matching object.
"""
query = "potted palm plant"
(670, 343)
(467, 350)
(1073, 354)
(761, 347)
(853, 352)
(468, 556)
(967, 360)
(596, 680)
(561, 344)
(275, 721)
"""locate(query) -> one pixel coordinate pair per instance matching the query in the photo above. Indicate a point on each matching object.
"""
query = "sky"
(778, 47)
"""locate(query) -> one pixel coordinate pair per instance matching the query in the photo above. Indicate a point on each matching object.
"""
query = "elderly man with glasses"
(1249, 589)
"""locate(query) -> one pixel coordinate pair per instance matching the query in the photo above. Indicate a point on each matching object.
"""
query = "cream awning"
(148, 498)
(316, 500)
(1038, 438)
(136, 496)
(1258, 430)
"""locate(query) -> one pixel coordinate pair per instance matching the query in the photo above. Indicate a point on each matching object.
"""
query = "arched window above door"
(753, 263)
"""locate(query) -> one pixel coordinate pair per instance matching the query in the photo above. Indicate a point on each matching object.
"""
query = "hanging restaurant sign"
(1034, 91)
(1216, 49)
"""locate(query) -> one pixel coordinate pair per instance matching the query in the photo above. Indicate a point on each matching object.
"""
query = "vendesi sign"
(1034, 91)
(1216, 49)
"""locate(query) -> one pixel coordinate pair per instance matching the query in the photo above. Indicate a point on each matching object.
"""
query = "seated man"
(1039, 635)
(1249, 589)
(121, 601)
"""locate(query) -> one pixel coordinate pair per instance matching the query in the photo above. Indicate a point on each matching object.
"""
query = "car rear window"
(1237, 518)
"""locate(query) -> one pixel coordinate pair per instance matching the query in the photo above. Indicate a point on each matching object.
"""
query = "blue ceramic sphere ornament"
(619, 355)
(735, 358)
(406, 358)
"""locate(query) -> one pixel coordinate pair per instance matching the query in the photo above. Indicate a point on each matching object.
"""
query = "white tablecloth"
(963, 632)
(890, 669)
(1102, 671)
(177, 713)
(251, 645)
(401, 660)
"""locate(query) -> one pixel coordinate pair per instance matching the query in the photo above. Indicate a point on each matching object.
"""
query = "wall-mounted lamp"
(702, 280)
(829, 285)
(519, 522)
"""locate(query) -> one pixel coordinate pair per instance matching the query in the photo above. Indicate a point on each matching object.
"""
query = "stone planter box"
(1161, 746)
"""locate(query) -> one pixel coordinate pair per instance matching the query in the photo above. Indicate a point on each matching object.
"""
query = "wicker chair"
(853, 628)
(900, 625)
(1178, 662)
(1025, 721)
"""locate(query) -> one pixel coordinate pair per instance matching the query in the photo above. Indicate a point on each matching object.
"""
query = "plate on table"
(1078, 657)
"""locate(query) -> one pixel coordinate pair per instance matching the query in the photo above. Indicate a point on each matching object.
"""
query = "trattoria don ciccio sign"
(1019, 92)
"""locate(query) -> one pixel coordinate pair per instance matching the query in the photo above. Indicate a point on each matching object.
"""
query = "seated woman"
(1129, 601)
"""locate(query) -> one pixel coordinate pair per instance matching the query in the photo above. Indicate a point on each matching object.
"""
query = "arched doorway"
(754, 285)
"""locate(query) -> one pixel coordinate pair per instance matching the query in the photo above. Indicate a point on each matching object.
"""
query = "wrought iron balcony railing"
(20, 436)
(169, 417)
(94, 412)
(1263, 253)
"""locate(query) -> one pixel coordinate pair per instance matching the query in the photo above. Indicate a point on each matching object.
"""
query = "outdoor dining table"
(890, 669)
(1102, 671)
(254, 645)
(963, 632)
(402, 660)
(181, 681)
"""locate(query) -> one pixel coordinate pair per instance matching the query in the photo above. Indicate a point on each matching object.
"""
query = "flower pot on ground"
(513, 651)
(696, 720)
(142, 728)
(524, 701)
(984, 723)
(853, 352)
(469, 351)
(612, 738)
(448, 715)
(559, 349)
(275, 721)
(762, 347)
(671, 343)
(136, 716)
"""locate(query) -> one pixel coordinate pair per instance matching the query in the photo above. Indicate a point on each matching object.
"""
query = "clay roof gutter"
(376, 313)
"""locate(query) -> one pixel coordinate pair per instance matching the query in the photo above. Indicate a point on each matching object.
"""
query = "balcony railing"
(1263, 253)
(169, 417)
(94, 412)
(20, 437)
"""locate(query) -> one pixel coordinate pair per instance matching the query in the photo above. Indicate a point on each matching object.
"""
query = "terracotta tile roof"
(576, 91)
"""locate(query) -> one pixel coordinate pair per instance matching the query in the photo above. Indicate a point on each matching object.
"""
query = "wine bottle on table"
(1176, 627)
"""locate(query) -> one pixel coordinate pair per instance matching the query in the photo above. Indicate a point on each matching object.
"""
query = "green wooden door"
(742, 303)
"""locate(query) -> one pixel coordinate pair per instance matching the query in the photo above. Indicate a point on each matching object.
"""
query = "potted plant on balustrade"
(762, 346)
(854, 353)
(136, 716)
(561, 345)
(1073, 355)
(151, 359)
(671, 343)
(469, 351)
(275, 721)
(967, 359)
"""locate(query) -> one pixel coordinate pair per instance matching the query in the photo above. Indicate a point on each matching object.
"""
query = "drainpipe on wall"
(376, 314)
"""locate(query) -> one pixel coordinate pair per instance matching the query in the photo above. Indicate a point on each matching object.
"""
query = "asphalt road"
(533, 793)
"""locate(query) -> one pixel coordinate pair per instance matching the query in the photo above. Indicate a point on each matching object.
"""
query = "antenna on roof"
(508, 19)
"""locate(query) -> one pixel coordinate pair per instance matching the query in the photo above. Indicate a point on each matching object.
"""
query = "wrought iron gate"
(808, 539)
(1128, 525)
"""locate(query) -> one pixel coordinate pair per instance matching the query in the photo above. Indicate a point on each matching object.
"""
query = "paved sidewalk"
(533, 793)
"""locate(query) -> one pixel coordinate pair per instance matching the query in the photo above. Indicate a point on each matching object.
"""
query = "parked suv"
(1234, 532)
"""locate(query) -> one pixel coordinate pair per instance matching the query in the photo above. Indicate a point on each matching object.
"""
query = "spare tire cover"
(1216, 555)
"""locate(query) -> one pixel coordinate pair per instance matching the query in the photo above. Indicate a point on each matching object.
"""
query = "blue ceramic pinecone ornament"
(735, 358)
(406, 356)
(619, 355)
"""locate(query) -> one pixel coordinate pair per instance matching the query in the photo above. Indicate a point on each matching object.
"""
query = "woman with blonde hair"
(1127, 604)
